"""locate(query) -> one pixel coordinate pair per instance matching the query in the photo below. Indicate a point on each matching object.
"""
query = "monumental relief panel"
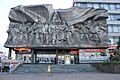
(43, 26)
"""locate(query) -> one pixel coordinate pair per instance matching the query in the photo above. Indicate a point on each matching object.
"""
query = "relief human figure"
(14, 33)
(38, 33)
(23, 33)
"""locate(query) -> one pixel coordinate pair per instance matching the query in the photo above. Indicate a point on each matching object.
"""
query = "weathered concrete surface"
(43, 26)
(68, 76)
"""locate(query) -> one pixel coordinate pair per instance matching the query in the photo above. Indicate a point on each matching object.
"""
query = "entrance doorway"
(61, 59)
(65, 59)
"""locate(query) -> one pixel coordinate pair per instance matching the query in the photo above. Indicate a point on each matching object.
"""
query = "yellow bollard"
(49, 70)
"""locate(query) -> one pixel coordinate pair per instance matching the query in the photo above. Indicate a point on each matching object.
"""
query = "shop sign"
(22, 49)
(74, 51)
(113, 47)
(92, 50)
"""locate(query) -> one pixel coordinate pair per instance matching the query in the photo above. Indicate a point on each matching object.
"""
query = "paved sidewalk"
(70, 76)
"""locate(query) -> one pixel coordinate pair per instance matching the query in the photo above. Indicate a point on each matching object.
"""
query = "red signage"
(93, 50)
(22, 49)
(113, 47)
(74, 51)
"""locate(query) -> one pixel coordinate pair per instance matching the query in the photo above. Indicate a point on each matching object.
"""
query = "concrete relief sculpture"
(43, 26)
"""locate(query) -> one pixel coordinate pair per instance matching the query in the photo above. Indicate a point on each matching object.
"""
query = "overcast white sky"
(5, 6)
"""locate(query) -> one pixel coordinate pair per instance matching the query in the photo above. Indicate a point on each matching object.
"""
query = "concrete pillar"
(35, 57)
(16, 55)
(56, 62)
(9, 53)
(78, 57)
(32, 56)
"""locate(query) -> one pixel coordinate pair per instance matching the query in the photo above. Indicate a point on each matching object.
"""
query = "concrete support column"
(35, 57)
(32, 56)
(9, 53)
(56, 62)
(78, 58)
(16, 55)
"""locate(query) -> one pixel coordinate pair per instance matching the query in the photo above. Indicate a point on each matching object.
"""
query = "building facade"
(41, 34)
(113, 21)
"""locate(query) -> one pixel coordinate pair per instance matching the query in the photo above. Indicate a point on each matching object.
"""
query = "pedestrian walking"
(3, 69)
(10, 68)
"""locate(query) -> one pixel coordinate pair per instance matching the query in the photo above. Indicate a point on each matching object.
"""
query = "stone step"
(42, 68)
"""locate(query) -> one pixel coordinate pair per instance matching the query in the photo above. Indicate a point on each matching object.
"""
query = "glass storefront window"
(93, 55)
(45, 58)
(67, 59)
(26, 58)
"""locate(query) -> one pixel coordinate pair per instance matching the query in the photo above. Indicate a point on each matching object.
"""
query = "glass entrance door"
(61, 59)
(65, 59)
(72, 59)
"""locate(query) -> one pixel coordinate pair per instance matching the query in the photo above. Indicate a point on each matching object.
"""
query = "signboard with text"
(92, 50)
